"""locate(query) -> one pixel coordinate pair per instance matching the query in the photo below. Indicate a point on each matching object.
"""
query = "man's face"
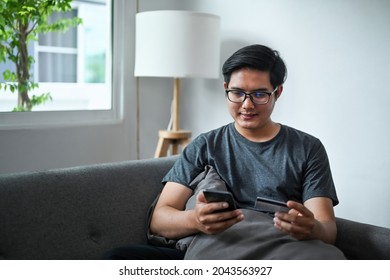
(250, 117)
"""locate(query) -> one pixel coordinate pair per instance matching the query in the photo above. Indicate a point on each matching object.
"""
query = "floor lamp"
(176, 44)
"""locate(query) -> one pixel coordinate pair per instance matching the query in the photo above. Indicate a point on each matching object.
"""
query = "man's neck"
(261, 134)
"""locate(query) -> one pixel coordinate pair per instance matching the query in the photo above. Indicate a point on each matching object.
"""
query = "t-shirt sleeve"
(318, 179)
(190, 163)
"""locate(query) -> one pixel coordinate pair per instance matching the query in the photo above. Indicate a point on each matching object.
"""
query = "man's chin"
(246, 124)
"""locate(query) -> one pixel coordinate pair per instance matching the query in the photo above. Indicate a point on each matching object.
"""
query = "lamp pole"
(176, 104)
(174, 136)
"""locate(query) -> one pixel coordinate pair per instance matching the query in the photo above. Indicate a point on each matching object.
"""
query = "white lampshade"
(177, 44)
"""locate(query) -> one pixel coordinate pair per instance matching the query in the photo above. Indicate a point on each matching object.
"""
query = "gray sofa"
(81, 212)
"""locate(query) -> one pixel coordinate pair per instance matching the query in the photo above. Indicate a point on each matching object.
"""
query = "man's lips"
(247, 116)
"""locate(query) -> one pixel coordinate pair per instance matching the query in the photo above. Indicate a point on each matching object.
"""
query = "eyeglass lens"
(256, 97)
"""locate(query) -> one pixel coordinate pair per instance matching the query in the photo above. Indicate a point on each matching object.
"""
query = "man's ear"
(279, 92)
(225, 85)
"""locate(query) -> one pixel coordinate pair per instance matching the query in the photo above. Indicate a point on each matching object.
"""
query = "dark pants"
(143, 252)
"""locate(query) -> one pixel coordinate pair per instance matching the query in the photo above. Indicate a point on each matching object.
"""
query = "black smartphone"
(271, 206)
(219, 196)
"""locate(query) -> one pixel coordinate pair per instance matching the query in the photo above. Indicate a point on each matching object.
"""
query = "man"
(254, 156)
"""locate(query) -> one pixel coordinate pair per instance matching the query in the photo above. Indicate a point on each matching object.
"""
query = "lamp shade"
(177, 44)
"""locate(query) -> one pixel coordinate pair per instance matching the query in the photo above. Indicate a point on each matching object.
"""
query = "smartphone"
(269, 205)
(219, 196)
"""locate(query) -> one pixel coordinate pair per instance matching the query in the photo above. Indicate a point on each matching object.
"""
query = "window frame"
(43, 119)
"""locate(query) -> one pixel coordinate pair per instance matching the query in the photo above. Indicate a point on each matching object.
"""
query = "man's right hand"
(171, 220)
(212, 221)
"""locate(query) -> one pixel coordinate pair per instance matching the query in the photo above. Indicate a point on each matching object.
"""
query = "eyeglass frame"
(250, 95)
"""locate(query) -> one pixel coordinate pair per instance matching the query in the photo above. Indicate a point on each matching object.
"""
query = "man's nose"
(248, 103)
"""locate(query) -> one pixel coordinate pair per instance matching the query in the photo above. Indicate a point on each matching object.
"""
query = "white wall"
(337, 54)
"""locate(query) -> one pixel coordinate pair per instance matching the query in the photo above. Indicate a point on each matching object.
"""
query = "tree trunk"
(22, 68)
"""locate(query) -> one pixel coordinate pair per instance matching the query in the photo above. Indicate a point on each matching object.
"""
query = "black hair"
(257, 57)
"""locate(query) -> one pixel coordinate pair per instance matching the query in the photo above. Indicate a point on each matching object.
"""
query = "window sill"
(39, 120)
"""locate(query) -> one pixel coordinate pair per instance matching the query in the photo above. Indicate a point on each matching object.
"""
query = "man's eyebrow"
(258, 89)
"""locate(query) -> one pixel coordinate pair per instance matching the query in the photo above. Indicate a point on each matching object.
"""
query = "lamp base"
(172, 138)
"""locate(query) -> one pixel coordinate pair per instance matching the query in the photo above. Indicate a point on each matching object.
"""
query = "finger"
(218, 226)
(293, 229)
(216, 217)
(214, 207)
(201, 197)
(298, 220)
(299, 208)
(293, 212)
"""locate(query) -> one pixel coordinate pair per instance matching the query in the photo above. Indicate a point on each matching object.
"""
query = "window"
(74, 66)
(56, 53)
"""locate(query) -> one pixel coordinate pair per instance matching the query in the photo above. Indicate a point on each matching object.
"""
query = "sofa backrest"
(82, 212)
(77, 213)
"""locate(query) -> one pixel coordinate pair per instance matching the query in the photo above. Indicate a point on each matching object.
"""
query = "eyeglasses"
(257, 97)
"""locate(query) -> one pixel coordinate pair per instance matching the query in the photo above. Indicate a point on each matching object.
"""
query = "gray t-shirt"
(291, 166)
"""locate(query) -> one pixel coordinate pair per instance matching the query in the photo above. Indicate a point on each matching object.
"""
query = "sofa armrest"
(362, 241)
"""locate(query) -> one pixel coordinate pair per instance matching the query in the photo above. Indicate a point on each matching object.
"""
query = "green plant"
(21, 22)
